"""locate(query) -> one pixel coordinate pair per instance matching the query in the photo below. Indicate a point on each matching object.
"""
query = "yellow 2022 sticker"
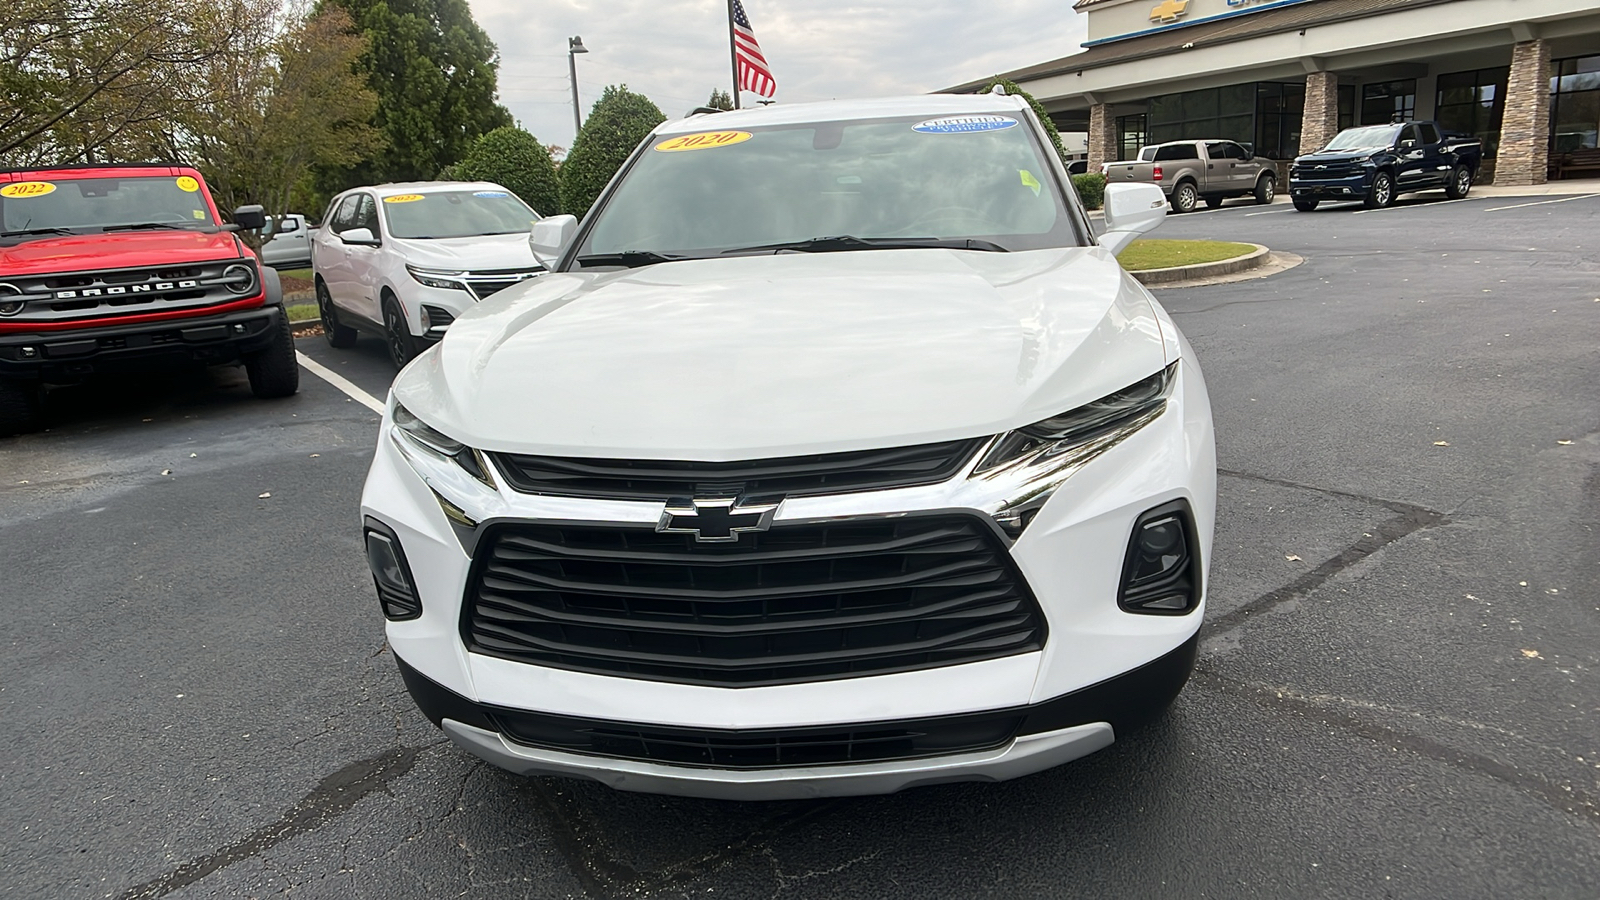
(27, 189)
(1030, 182)
(403, 198)
(185, 183)
(705, 140)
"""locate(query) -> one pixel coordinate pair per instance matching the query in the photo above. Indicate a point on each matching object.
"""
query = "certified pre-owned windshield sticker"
(187, 184)
(1028, 181)
(490, 194)
(965, 124)
(705, 140)
(27, 189)
(403, 198)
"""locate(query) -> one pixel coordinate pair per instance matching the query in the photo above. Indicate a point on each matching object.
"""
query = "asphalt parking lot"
(1398, 693)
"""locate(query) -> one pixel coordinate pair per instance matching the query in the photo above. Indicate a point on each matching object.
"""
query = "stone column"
(1525, 131)
(1321, 119)
(1102, 136)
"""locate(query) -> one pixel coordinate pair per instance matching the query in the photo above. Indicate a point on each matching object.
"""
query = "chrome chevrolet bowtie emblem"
(717, 520)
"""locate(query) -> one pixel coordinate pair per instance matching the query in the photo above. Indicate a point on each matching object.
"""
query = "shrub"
(1038, 110)
(514, 159)
(619, 121)
(1091, 187)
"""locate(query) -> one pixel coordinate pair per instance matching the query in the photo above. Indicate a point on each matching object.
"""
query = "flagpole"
(733, 53)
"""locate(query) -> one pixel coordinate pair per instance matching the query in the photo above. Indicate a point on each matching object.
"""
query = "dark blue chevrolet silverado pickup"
(1377, 163)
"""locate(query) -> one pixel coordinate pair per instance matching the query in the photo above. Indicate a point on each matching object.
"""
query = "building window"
(1389, 101)
(1280, 110)
(1130, 136)
(1575, 104)
(1347, 107)
(1474, 103)
(1227, 113)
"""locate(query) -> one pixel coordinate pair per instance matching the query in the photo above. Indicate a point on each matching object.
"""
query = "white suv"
(403, 261)
(837, 456)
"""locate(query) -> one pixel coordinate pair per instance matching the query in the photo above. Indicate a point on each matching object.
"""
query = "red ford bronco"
(112, 268)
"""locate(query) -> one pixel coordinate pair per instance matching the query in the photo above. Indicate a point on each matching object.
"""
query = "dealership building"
(1286, 75)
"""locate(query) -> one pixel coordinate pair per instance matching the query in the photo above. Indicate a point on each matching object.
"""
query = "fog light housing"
(1161, 573)
(397, 590)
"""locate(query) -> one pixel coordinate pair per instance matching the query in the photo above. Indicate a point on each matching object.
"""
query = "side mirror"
(359, 237)
(1131, 210)
(551, 237)
(1408, 144)
(250, 218)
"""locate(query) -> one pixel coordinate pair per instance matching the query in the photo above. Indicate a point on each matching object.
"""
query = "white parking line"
(1270, 212)
(1543, 202)
(1416, 205)
(340, 382)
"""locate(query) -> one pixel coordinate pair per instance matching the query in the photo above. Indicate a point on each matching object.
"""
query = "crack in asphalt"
(1408, 519)
(332, 796)
(603, 877)
(1563, 798)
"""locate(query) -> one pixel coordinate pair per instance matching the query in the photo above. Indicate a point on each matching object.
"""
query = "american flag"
(753, 72)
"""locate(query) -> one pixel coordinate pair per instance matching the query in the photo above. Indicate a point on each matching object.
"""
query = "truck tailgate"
(1124, 172)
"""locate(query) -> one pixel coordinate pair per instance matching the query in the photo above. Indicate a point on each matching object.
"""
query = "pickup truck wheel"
(1460, 183)
(275, 371)
(1184, 197)
(340, 336)
(19, 407)
(1305, 204)
(1214, 202)
(1266, 189)
(402, 347)
(1382, 192)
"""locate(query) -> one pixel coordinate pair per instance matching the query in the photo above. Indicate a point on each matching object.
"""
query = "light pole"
(574, 47)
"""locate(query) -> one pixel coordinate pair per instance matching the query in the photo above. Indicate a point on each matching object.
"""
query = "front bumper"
(1054, 732)
(1352, 188)
(1071, 555)
(60, 356)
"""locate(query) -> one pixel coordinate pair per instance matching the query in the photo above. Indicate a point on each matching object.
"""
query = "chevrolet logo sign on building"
(1169, 11)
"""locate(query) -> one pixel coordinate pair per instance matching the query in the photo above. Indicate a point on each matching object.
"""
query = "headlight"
(1030, 463)
(446, 279)
(441, 445)
(1130, 408)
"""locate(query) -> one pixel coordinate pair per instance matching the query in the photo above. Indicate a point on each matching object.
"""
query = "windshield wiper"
(143, 226)
(631, 259)
(28, 231)
(845, 242)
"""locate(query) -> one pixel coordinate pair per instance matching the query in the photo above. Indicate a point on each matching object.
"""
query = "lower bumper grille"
(796, 603)
(788, 748)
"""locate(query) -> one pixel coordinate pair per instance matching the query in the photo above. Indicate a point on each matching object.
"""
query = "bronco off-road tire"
(19, 407)
(275, 372)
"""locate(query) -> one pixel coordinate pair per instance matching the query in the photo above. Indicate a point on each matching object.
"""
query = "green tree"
(93, 80)
(619, 121)
(266, 119)
(435, 73)
(1038, 109)
(720, 99)
(514, 159)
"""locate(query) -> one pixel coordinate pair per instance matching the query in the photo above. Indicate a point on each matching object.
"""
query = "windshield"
(454, 214)
(85, 205)
(951, 179)
(1372, 137)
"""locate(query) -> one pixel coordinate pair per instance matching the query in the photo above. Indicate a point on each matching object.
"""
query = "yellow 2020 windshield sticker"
(187, 184)
(705, 140)
(27, 189)
(403, 198)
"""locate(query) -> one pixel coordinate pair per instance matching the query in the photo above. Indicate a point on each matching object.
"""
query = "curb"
(1252, 260)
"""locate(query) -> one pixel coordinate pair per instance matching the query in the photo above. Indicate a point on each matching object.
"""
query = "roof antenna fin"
(998, 90)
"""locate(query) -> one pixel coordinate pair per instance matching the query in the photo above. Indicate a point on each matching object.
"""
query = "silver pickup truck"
(1191, 171)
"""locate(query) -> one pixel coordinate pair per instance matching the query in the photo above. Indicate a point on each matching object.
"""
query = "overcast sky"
(676, 51)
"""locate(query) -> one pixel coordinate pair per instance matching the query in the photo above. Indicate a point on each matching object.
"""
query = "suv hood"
(755, 357)
(489, 251)
(117, 250)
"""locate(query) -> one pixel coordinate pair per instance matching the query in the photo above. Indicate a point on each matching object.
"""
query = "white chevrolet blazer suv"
(403, 261)
(835, 455)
